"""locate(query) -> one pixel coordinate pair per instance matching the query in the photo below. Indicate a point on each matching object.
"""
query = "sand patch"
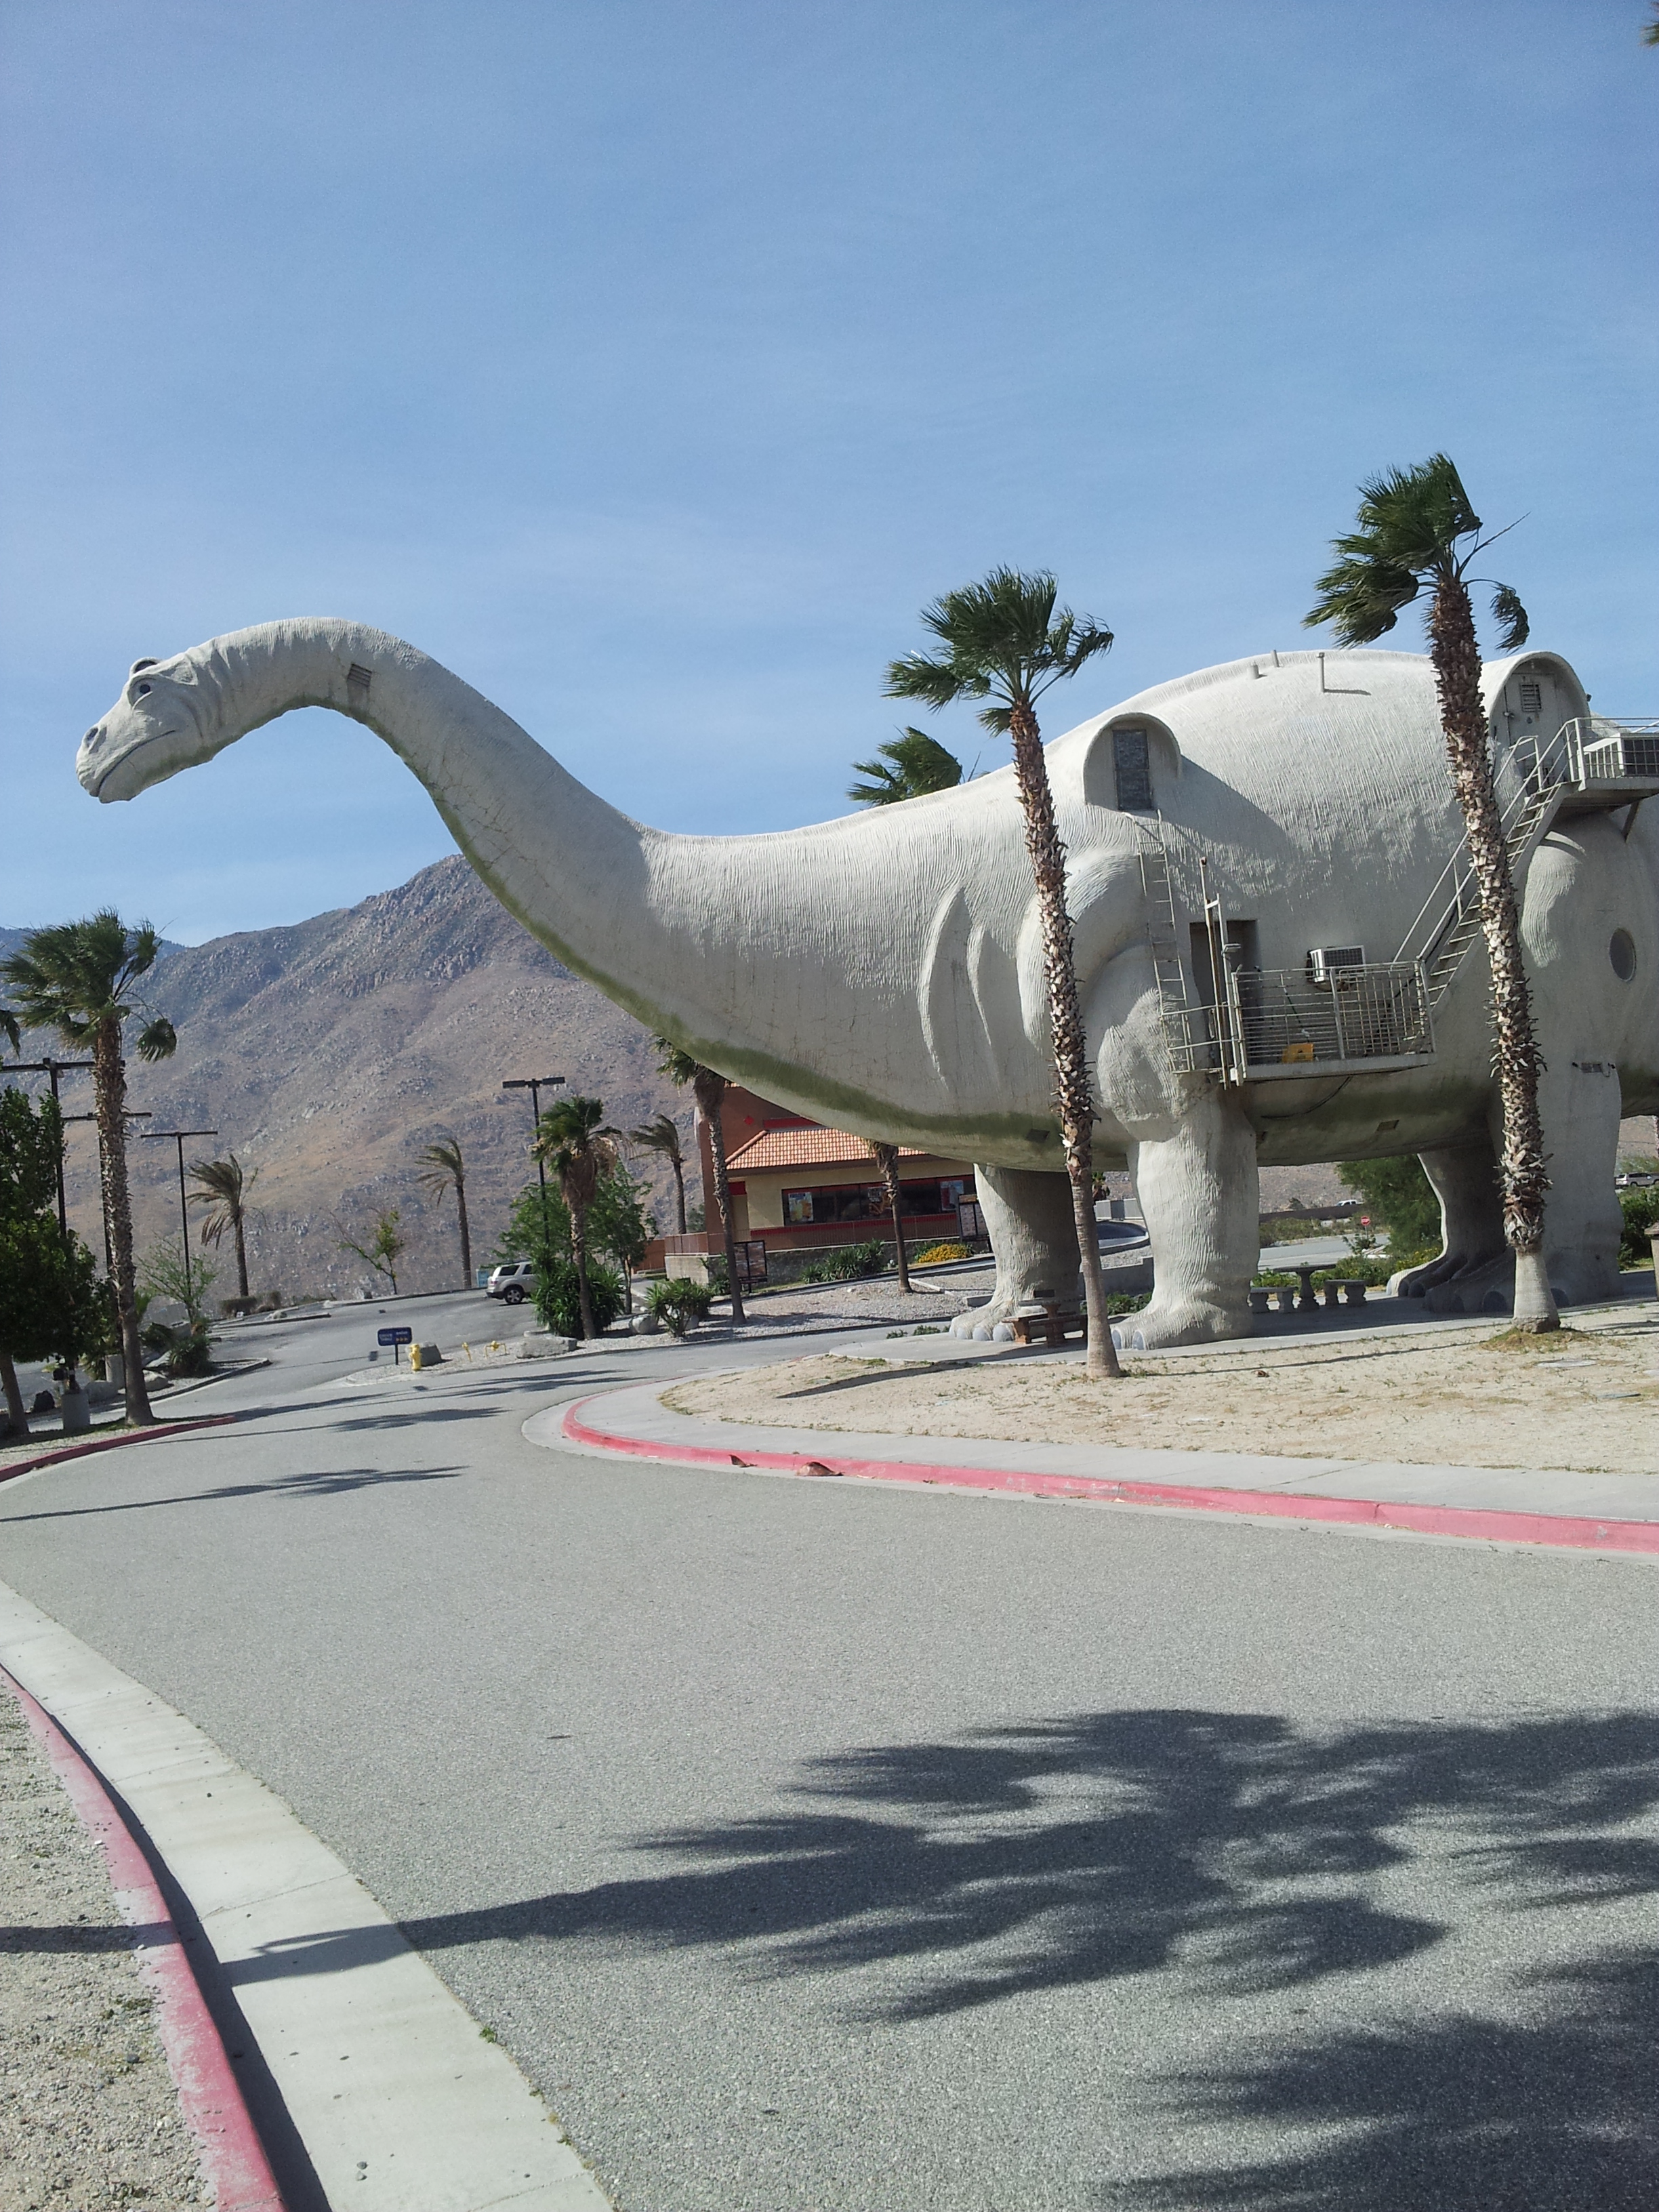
(1586, 1400)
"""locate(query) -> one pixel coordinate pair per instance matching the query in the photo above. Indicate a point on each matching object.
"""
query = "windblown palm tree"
(1005, 642)
(576, 1143)
(445, 1169)
(1419, 532)
(80, 978)
(887, 1159)
(661, 1135)
(905, 767)
(709, 1088)
(223, 1185)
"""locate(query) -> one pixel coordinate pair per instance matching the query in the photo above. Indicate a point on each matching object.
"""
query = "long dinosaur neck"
(573, 870)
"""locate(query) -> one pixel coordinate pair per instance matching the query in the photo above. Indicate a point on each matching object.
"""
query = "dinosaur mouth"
(113, 769)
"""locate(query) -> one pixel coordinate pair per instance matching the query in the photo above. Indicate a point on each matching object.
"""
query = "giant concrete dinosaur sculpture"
(882, 971)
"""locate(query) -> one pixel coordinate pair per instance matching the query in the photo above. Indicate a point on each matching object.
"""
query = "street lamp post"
(52, 1069)
(535, 1085)
(183, 1206)
(130, 1114)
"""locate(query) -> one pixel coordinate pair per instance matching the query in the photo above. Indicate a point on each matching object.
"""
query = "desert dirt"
(1586, 1399)
(88, 2115)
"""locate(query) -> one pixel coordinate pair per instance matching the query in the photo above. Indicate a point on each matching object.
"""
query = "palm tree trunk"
(1074, 1093)
(1520, 1169)
(109, 1078)
(579, 1256)
(17, 1411)
(241, 1253)
(467, 1235)
(678, 1166)
(887, 1158)
(709, 1088)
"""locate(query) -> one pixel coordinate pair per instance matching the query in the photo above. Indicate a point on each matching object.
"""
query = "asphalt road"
(818, 1845)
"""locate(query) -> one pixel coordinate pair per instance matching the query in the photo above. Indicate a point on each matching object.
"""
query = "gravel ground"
(1584, 1399)
(87, 2114)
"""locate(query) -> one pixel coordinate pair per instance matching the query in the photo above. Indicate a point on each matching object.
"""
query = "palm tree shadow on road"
(1086, 1849)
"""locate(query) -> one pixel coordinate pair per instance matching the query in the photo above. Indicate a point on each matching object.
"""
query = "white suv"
(513, 1283)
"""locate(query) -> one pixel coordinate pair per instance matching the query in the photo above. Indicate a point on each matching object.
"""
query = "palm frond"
(9, 1030)
(660, 1134)
(674, 1061)
(1513, 626)
(443, 1169)
(157, 1040)
(1005, 643)
(907, 767)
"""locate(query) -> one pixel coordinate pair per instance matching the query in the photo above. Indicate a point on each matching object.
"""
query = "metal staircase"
(1587, 767)
(1159, 894)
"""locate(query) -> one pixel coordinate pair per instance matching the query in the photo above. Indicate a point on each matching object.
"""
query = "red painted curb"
(1494, 1525)
(113, 1443)
(210, 2099)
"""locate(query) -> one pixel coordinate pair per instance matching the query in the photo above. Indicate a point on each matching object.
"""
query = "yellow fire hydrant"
(414, 1358)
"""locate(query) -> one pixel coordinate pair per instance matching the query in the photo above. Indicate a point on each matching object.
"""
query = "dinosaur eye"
(139, 689)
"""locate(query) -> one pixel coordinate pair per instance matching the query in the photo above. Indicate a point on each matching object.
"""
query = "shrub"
(558, 1302)
(679, 1303)
(232, 1307)
(1640, 1209)
(937, 1252)
(1397, 1193)
(851, 1262)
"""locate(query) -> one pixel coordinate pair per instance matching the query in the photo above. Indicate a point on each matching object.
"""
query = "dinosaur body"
(883, 972)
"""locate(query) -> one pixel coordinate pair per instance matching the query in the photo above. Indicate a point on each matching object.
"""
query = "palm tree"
(661, 1135)
(887, 1159)
(1419, 532)
(445, 1169)
(709, 1089)
(1005, 642)
(576, 1143)
(905, 767)
(222, 1187)
(80, 978)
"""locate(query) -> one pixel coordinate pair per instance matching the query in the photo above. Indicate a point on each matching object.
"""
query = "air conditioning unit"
(1327, 961)
(1619, 757)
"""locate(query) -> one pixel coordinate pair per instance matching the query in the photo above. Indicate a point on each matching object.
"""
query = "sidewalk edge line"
(210, 2097)
(1493, 1524)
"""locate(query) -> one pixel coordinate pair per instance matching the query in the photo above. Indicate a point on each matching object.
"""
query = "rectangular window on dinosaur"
(1134, 769)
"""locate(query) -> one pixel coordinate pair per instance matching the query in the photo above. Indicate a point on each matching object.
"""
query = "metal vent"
(358, 680)
(1325, 960)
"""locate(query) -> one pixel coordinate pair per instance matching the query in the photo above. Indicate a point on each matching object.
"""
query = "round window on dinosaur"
(1621, 950)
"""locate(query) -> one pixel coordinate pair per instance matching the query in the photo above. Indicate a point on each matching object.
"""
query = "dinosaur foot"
(1486, 1285)
(1170, 1322)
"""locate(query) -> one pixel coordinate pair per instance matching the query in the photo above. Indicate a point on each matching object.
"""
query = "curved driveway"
(817, 1846)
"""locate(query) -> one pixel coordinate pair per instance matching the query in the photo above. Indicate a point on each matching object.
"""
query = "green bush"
(679, 1301)
(1397, 1194)
(1640, 1209)
(850, 1262)
(558, 1302)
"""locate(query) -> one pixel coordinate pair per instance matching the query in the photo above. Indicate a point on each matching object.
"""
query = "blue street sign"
(396, 1336)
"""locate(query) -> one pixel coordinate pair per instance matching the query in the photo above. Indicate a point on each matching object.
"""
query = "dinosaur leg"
(1200, 1194)
(1033, 1239)
(1465, 1180)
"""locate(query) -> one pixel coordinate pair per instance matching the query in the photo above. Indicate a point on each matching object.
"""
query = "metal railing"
(1273, 1022)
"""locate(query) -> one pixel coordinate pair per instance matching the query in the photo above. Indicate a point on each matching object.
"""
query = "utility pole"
(184, 1210)
(131, 1113)
(535, 1085)
(52, 1069)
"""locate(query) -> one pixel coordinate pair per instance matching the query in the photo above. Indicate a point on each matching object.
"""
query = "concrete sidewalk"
(1530, 1505)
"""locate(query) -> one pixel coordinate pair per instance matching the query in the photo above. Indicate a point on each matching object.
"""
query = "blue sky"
(651, 364)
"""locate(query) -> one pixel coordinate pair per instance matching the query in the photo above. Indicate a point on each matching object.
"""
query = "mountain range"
(328, 1054)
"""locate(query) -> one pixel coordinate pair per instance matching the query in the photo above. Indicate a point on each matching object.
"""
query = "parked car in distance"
(513, 1283)
(1635, 1179)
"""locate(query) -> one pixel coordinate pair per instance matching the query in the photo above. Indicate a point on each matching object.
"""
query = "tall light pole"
(130, 1114)
(535, 1085)
(52, 1069)
(184, 1204)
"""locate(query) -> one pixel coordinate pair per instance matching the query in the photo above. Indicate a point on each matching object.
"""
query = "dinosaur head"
(165, 719)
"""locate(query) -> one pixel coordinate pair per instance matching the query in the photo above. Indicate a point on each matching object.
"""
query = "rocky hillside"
(329, 1054)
